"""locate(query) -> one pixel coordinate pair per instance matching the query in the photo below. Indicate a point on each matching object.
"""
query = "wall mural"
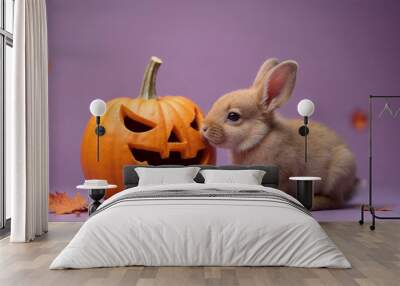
(210, 48)
(170, 130)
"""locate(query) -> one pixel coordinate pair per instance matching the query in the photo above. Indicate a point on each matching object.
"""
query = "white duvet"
(200, 231)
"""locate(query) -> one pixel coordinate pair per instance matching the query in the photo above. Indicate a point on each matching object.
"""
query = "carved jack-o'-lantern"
(147, 130)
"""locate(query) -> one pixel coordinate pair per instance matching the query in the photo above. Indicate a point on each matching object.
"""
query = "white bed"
(202, 231)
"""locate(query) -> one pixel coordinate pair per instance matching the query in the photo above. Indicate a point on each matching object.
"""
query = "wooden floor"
(375, 257)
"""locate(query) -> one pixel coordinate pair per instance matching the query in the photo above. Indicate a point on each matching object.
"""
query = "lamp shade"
(305, 107)
(98, 107)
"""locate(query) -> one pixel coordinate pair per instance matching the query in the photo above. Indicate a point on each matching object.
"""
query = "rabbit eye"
(233, 116)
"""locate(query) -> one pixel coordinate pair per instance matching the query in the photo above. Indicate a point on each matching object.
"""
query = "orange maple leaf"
(61, 203)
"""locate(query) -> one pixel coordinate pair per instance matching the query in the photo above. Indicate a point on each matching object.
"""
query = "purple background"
(346, 50)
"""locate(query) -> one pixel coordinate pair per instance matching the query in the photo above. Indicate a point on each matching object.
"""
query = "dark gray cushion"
(270, 179)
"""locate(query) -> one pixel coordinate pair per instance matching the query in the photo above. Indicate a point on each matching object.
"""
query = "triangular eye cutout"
(194, 124)
(134, 122)
(136, 126)
(173, 137)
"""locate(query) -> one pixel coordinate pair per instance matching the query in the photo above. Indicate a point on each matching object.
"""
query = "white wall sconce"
(97, 108)
(305, 108)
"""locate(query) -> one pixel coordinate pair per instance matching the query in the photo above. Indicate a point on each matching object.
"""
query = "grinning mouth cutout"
(175, 158)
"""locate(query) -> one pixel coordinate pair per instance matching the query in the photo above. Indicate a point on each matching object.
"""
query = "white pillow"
(248, 177)
(164, 176)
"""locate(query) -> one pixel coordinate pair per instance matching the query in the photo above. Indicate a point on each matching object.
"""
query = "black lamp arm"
(100, 130)
(304, 131)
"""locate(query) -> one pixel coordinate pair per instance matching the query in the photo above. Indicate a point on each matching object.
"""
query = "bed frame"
(270, 179)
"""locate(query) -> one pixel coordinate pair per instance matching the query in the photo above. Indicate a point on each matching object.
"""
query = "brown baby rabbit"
(245, 121)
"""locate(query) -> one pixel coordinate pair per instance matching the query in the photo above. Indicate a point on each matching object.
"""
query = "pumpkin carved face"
(147, 130)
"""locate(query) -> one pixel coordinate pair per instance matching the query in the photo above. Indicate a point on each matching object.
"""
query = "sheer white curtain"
(27, 122)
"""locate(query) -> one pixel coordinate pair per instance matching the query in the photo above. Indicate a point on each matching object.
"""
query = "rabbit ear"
(264, 69)
(279, 85)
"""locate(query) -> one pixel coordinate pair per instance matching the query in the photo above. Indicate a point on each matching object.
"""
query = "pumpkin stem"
(148, 90)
